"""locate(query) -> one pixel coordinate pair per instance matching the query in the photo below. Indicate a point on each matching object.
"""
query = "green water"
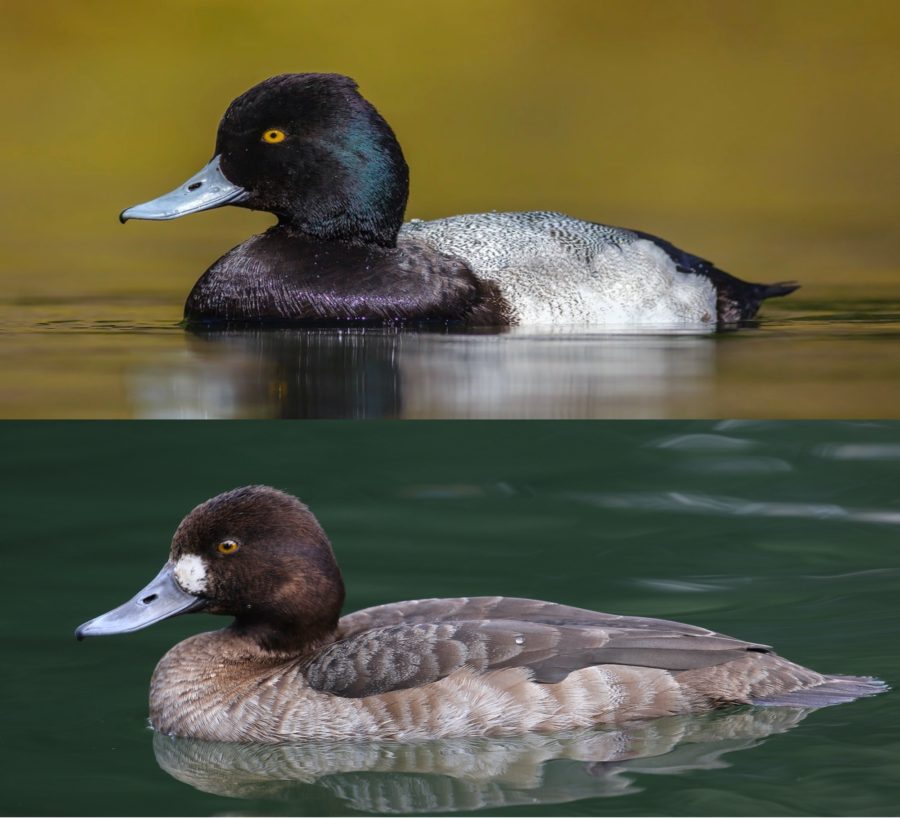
(782, 533)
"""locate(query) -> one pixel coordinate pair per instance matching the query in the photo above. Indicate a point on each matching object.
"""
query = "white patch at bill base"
(190, 573)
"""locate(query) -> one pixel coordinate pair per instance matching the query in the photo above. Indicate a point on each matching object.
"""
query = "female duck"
(309, 149)
(289, 667)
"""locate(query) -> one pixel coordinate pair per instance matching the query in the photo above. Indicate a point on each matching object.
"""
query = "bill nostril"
(195, 185)
(148, 599)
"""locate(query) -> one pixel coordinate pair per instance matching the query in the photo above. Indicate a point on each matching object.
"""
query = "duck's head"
(307, 148)
(254, 553)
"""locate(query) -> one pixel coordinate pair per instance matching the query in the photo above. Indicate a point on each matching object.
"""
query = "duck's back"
(409, 644)
(492, 242)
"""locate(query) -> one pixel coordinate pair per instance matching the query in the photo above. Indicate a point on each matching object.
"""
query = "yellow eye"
(227, 547)
(273, 136)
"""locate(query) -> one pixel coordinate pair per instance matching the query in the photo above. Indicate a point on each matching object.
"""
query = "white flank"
(190, 574)
(555, 270)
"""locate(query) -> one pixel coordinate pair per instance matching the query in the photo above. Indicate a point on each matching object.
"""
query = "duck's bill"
(161, 599)
(203, 191)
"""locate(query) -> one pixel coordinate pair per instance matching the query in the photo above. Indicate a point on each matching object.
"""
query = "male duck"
(309, 149)
(290, 667)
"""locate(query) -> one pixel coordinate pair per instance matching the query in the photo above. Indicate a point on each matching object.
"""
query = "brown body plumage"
(289, 669)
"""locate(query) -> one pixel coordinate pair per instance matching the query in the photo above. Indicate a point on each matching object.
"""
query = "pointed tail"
(834, 690)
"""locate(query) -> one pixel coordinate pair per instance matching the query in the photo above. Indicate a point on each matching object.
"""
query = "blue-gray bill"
(205, 190)
(160, 599)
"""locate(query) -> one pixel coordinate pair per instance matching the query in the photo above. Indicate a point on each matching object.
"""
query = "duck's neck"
(343, 229)
(286, 636)
(296, 619)
(366, 208)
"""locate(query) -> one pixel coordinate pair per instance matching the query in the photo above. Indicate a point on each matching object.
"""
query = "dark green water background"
(783, 533)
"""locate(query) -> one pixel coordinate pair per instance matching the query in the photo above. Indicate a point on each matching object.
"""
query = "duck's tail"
(834, 690)
(740, 300)
(777, 290)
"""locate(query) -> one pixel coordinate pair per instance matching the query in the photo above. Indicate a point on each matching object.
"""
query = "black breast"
(280, 277)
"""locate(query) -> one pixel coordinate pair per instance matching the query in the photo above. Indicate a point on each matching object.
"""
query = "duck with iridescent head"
(311, 150)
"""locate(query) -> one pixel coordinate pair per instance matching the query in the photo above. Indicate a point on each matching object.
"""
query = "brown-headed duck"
(309, 149)
(289, 667)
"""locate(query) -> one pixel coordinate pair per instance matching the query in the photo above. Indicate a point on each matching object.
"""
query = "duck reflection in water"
(386, 373)
(468, 774)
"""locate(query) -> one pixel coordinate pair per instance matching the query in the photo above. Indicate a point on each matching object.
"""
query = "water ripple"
(859, 451)
(703, 443)
(739, 465)
(690, 503)
(679, 586)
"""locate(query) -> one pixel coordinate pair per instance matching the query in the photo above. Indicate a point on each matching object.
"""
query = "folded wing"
(408, 644)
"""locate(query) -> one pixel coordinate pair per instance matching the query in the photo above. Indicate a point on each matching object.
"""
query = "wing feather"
(407, 644)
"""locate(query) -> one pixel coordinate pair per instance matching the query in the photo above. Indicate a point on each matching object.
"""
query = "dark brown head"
(254, 553)
(260, 555)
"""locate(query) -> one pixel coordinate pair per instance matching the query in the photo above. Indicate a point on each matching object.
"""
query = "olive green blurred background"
(731, 128)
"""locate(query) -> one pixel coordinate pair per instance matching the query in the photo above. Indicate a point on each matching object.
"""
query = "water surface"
(803, 358)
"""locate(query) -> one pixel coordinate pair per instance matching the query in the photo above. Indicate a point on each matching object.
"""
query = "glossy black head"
(311, 150)
(260, 555)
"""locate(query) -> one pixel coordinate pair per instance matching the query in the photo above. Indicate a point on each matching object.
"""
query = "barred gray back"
(494, 241)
